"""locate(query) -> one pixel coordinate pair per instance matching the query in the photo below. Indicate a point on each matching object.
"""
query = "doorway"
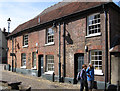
(78, 62)
(40, 65)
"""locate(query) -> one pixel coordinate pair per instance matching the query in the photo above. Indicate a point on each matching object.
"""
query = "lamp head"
(9, 20)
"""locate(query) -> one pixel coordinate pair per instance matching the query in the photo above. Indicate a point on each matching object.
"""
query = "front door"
(40, 65)
(78, 62)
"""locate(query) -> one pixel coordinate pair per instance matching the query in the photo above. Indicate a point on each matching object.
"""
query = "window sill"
(25, 46)
(51, 43)
(23, 67)
(93, 35)
(34, 68)
(49, 73)
(98, 72)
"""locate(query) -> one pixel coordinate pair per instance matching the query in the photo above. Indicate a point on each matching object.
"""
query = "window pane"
(100, 57)
(100, 68)
(96, 68)
(100, 62)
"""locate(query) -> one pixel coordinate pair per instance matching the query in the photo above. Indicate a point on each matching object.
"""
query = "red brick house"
(65, 36)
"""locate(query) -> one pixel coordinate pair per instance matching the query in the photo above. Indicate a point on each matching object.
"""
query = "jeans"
(83, 83)
(90, 84)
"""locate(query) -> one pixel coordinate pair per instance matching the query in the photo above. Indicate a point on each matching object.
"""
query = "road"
(36, 82)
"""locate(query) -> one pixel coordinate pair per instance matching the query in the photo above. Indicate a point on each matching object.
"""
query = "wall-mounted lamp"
(7, 49)
(36, 51)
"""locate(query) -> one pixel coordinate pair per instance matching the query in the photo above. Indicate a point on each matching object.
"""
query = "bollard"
(117, 85)
(53, 77)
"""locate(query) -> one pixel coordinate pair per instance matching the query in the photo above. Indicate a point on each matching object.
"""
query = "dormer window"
(50, 36)
(25, 40)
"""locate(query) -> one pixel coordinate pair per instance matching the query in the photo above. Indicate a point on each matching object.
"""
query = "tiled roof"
(56, 12)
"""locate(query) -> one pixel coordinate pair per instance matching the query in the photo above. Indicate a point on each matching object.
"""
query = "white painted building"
(3, 47)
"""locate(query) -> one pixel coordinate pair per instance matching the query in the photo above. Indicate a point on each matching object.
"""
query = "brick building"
(65, 36)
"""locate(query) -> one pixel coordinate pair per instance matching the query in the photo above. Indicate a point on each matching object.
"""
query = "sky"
(20, 11)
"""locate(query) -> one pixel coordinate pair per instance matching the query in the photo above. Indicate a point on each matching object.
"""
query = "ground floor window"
(23, 61)
(96, 60)
(34, 59)
(50, 63)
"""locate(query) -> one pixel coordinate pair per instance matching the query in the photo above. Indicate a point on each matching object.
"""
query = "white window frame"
(50, 61)
(49, 37)
(23, 59)
(96, 58)
(34, 59)
(96, 26)
(25, 40)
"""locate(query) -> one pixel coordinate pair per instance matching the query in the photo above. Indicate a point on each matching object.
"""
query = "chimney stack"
(4, 30)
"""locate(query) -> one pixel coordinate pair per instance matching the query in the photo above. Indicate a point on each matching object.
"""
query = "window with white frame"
(50, 63)
(96, 60)
(93, 24)
(23, 59)
(34, 59)
(25, 40)
(50, 35)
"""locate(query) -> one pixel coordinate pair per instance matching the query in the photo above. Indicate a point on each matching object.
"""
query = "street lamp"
(8, 24)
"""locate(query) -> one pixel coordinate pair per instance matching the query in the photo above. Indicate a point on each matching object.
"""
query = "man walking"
(83, 78)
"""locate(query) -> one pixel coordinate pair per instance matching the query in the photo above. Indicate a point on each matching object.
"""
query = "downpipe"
(106, 49)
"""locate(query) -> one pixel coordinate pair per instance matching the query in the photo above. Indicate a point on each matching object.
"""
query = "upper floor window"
(34, 59)
(23, 60)
(50, 35)
(25, 40)
(93, 24)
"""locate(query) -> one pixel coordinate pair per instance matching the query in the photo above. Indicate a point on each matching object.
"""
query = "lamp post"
(8, 24)
(12, 39)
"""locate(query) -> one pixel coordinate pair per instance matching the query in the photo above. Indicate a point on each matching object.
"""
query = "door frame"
(76, 65)
(39, 65)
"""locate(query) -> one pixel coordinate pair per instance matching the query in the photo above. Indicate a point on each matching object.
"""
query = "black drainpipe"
(64, 70)
(106, 48)
(59, 52)
(12, 55)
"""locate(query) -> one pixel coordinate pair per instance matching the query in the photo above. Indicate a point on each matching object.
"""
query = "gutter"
(66, 17)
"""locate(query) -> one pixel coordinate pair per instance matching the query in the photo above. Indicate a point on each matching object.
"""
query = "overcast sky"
(20, 11)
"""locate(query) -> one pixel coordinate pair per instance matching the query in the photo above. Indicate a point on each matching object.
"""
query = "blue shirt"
(91, 73)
